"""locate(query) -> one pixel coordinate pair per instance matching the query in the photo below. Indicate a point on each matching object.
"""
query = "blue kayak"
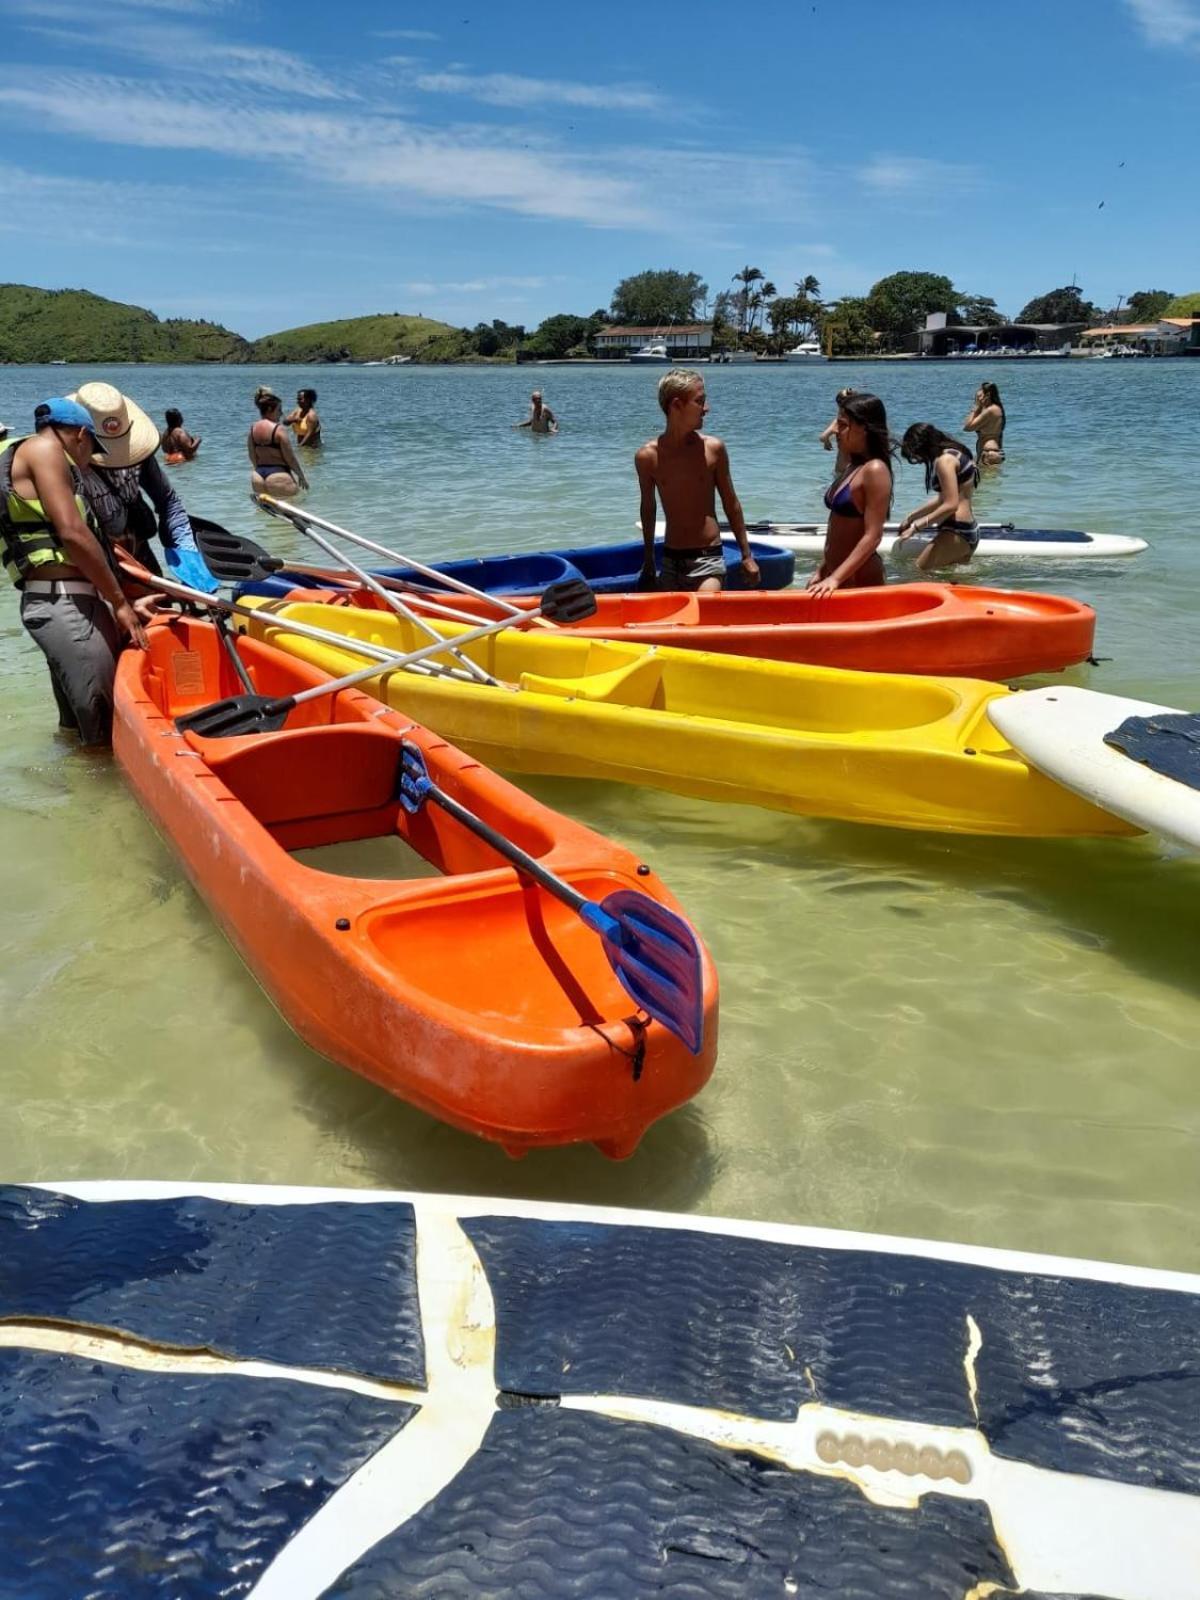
(608, 568)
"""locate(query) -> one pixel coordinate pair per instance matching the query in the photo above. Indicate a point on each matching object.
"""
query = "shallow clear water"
(989, 1041)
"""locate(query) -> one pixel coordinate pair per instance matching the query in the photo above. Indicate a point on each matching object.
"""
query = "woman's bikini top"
(266, 448)
(839, 500)
(966, 471)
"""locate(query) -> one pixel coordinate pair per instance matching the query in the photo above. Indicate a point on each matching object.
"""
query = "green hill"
(75, 325)
(1184, 305)
(364, 339)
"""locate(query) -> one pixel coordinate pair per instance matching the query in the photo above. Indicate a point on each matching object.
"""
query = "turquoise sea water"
(989, 1041)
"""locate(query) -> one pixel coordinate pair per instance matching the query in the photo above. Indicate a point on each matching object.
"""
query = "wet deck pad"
(125, 1485)
(322, 1285)
(1087, 1377)
(559, 1504)
(1167, 743)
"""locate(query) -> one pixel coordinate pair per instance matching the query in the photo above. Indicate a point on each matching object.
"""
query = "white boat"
(653, 353)
(366, 1393)
(1063, 733)
(806, 350)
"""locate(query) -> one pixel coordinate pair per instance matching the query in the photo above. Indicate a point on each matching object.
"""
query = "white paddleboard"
(366, 1393)
(995, 539)
(1061, 732)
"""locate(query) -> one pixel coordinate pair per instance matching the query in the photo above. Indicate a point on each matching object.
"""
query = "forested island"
(74, 325)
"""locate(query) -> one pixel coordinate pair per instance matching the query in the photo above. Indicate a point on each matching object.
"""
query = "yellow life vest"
(27, 536)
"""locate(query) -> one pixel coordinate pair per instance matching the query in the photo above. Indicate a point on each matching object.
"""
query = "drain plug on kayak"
(342, 924)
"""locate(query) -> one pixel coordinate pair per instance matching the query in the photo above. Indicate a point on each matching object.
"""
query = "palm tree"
(745, 277)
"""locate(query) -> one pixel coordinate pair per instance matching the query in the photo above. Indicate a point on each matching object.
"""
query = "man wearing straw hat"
(72, 604)
(118, 479)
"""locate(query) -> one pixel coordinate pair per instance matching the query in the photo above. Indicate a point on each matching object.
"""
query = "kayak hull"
(472, 994)
(932, 629)
(905, 752)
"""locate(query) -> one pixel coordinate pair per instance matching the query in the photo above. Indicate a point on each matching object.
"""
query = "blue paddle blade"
(656, 958)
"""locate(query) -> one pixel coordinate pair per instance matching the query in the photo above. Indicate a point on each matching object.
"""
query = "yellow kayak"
(906, 752)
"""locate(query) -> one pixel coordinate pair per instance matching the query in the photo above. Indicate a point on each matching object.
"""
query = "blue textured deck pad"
(124, 1485)
(560, 1504)
(1094, 1378)
(1037, 535)
(331, 1286)
(1087, 1377)
(1167, 743)
(707, 1319)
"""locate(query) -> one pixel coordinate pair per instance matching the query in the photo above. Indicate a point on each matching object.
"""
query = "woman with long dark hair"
(986, 421)
(859, 500)
(950, 477)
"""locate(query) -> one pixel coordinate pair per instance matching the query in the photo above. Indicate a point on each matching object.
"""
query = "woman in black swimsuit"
(950, 476)
(273, 464)
(859, 500)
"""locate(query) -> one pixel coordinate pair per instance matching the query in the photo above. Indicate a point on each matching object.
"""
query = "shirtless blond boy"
(684, 467)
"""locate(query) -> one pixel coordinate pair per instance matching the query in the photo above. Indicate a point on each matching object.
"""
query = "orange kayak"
(932, 629)
(474, 993)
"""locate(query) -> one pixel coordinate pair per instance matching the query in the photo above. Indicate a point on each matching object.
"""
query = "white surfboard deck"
(1061, 732)
(1063, 1531)
(808, 538)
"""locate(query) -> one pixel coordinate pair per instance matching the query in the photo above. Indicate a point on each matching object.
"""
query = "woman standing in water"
(950, 476)
(986, 421)
(859, 500)
(273, 465)
(304, 421)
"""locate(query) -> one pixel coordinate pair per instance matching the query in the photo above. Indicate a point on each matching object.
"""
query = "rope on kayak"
(637, 1025)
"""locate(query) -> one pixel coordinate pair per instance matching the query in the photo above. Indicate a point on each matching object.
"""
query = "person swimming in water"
(177, 443)
(859, 499)
(273, 465)
(540, 419)
(304, 421)
(986, 420)
(686, 469)
(950, 476)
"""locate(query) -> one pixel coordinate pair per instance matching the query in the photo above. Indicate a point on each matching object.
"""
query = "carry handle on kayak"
(654, 953)
(571, 600)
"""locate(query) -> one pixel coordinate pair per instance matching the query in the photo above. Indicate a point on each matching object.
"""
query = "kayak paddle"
(568, 601)
(232, 557)
(653, 952)
(442, 580)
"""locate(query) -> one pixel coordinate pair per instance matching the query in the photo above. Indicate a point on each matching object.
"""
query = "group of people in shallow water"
(84, 488)
(686, 470)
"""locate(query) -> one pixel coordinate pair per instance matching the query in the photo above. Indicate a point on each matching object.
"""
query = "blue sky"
(272, 165)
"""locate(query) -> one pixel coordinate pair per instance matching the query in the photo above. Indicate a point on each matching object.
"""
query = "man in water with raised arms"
(684, 467)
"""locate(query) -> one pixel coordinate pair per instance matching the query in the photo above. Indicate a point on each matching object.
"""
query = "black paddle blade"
(568, 600)
(231, 557)
(243, 713)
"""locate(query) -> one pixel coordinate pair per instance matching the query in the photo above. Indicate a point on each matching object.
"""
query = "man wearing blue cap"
(72, 604)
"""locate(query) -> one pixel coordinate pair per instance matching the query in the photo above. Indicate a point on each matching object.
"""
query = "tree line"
(752, 313)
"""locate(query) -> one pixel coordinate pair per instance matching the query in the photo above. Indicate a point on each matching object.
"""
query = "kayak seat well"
(653, 611)
(634, 683)
(313, 785)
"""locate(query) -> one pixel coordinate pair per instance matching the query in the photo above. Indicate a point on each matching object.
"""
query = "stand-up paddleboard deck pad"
(290, 1393)
(1137, 760)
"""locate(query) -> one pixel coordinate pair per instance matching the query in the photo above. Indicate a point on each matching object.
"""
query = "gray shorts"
(687, 569)
(79, 639)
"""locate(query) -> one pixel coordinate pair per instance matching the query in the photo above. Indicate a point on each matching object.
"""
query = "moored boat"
(473, 994)
(933, 629)
(906, 752)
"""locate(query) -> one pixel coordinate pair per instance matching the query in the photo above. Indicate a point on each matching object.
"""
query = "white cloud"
(419, 34)
(510, 89)
(424, 288)
(917, 178)
(1167, 22)
(378, 154)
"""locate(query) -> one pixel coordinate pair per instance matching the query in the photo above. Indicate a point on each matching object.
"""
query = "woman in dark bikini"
(274, 468)
(950, 476)
(987, 421)
(858, 501)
